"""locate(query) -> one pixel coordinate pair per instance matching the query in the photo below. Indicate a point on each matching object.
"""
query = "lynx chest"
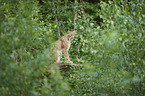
(68, 45)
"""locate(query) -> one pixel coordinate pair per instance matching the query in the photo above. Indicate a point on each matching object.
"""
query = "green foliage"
(109, 54)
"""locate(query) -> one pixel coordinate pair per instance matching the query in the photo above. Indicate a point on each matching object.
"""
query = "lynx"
(62, 45)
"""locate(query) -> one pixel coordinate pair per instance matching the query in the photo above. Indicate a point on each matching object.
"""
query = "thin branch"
(75, 17)
(56, 18)
(83, 12)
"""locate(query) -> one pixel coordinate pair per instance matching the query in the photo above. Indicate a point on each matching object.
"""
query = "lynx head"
(70, 34)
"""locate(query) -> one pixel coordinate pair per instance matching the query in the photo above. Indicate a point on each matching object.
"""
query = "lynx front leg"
(66, 55)
(57, 57)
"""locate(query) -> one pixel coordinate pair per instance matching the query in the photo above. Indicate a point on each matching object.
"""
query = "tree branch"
(75, 17)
